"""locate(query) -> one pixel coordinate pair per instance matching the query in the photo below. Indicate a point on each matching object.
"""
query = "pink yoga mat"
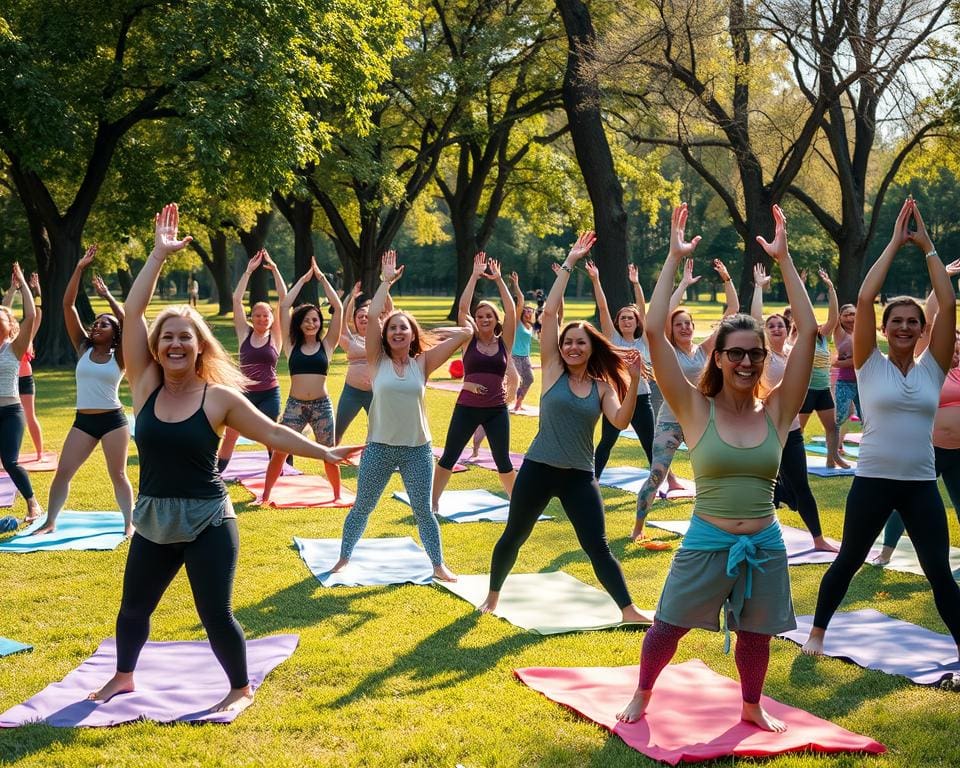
(47, 462)
(688, 490)
(300, 491)
(245, 464)
(175, 682)
(694, 714)
(438, 452)
(485, 460)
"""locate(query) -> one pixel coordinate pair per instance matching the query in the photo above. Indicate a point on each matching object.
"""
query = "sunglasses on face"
(736, 354)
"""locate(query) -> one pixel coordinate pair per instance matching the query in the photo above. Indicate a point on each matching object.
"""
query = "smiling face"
(526, 317)
(178, 345)
(776, 330)
(743, 375)
(902, 327)
(486, 320)
(310, 325)
(360, 319)
(261, 318)
(682, 329)
(398, 335)
(847, 317)
(626, 323)
(575, 347)
(7, 324)
(103, 332)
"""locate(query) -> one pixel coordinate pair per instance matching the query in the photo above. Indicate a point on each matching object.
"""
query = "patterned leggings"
(416, 469)
(666, 440)
(847, 392)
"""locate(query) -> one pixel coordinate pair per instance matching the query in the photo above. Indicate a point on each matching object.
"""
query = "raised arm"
(550, 317)
(466, 298)
(332, 337)
(785, 400)
(345, 331)
(943, 333)
(287, 304)
(677, 391)
(833, 313)
(865, 329)
(620, 412)
(276, 334)
(136, 354)
(603, 309)
(104, 293)
(21, 343)
(686, 280)
(733, 304)
(71, 318)
(389, 274)
(760, 282)
(638, 298)
(509, 310)
(518, 302)
(9, 294)
(240, 325)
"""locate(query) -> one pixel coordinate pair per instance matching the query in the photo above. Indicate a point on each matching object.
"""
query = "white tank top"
(98, 383)
(9, 371)
(397, 413)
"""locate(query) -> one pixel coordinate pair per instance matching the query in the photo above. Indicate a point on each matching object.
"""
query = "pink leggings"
(752, 656)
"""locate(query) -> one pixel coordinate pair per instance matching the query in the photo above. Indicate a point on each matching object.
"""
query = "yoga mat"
(75, 530)
(438, 452)
(631, 479)
(874, 640)
(176, 682)
(799, 543)
(8, 491)
(47, 462)
(375, 562)
(244, 464)
(694, 714)
(8, 646)
(446, 386)
(485, 460)
(526, 410)
(904, 557)
(470, 506)
(300, 491)
(849, 451)
(544, 603)
(817, 465)
(853, 438)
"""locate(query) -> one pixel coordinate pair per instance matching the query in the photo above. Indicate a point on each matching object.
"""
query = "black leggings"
(12, 425)
(642, 423)
(796, 491)
(579, 495)
(211, 561)
(869, 504)
(464, 422)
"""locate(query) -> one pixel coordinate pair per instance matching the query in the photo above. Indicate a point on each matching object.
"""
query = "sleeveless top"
(9, 371)
(567, 422)
(773, 369)
(692, 366)
(177, 459)
(259, 364)
(488, 370)
(640, 345)
(521, 340)
(98, 384)
(734, 482)
(845, 352)
(302, 363)
(397, 415)
(820, 375)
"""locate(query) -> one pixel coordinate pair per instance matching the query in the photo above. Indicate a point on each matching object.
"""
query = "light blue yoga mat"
(849, 451)
(8, 646)
(470, 506)
(817, 465)
(375, 562)
(75, 530)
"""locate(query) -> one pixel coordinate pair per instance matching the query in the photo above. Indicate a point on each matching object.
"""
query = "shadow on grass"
(440, 662)
(29, 739)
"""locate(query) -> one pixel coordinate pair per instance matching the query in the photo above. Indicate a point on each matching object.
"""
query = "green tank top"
(735, 482)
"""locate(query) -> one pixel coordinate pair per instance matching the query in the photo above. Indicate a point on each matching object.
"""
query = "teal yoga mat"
(75, 531)
(8, 646)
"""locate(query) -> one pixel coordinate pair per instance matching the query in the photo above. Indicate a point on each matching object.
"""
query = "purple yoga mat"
(176, 681)
(8, 491)
(246, 464)
(874, 640)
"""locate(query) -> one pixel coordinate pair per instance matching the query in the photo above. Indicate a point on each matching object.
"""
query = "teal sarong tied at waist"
(703, 536)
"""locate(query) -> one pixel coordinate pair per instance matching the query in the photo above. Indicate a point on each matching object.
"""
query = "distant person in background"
(194, 291)
(26, 383)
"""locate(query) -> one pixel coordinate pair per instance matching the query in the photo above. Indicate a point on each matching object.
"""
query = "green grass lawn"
(413, 676)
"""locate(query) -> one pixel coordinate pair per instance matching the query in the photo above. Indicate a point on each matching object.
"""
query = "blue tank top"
(521, 341)
(567, 422)
(316, 363)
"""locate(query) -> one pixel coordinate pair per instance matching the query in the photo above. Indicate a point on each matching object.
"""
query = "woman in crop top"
(399, 436)
(186, 390)
(100, 417)
(482, 401)
(692, 358)
(15, 339)
(260, 342)
(793, 484)
(357, 387)
(583, 376)
(733, 557)
(896, 468)
(309, 351)
(626, 332)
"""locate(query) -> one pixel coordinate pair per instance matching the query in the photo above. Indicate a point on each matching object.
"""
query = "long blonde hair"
(214, 364)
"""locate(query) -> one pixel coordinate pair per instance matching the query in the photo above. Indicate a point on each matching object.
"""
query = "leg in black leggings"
(642, 423)
(12, 425)
(793, 471)
(463, 423)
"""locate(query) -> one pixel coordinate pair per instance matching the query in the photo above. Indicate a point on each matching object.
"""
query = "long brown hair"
(711, 380)
(604, 363)
(416, 346)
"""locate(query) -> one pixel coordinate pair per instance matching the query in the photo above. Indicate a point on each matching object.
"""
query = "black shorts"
(98, 424)
(817, 400)
(27, 386)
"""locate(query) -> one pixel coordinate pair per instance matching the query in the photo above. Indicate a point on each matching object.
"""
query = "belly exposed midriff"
(946, 427)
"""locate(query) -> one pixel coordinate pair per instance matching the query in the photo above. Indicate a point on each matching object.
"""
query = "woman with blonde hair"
(186, 389)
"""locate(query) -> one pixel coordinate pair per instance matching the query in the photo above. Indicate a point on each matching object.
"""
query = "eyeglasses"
(736, 354)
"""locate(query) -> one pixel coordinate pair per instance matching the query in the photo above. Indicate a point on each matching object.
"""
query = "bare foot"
(121, 682)
(672, 483)
(340, 564)
(884, 557)
(474, 455)
(633, 615)
(490, 604)
(754, 713)
(45, 529)
(443, 573)
(836, 461)
(820, 544)
(236, 701)
(34, 511)
(435, 506)
(637, 533)
(636, 708)
(814, 644)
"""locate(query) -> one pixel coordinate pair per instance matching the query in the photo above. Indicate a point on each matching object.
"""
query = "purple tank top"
(488, 370)
(259, 364)
(844, 351)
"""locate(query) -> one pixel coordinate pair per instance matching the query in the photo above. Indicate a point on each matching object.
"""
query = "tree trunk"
(581, 100)
(126, 281)
(759, 221)
(466, 246)
(218, 264)
(252, 241)
(299, 214)
(52, 344)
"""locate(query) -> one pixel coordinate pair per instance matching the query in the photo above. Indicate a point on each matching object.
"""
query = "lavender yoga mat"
(176, 682)
(8, 491)
(874, 640)
(247, 464)
(484, 459)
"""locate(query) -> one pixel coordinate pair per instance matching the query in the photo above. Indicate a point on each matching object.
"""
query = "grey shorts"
(697, 586)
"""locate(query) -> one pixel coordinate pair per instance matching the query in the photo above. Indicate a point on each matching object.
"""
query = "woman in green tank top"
(734, 440)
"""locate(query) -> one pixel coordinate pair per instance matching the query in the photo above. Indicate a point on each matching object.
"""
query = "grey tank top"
(567, 422)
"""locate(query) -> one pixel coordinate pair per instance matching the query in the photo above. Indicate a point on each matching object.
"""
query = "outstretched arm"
(466, 298)
(390, 272)
(348, 315)
(21, 343)
(286, 305)
(603, 309)
(517, 293)
(104, 293)
(833, 313)
(276, 334)
(733, 304)
(332, 337)
(634, 277)
(71, 318)
(760, 281)
(436, 356)
(943, 333)
(620, 412)
(552, 308)
(240, 325)
(509, 310)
